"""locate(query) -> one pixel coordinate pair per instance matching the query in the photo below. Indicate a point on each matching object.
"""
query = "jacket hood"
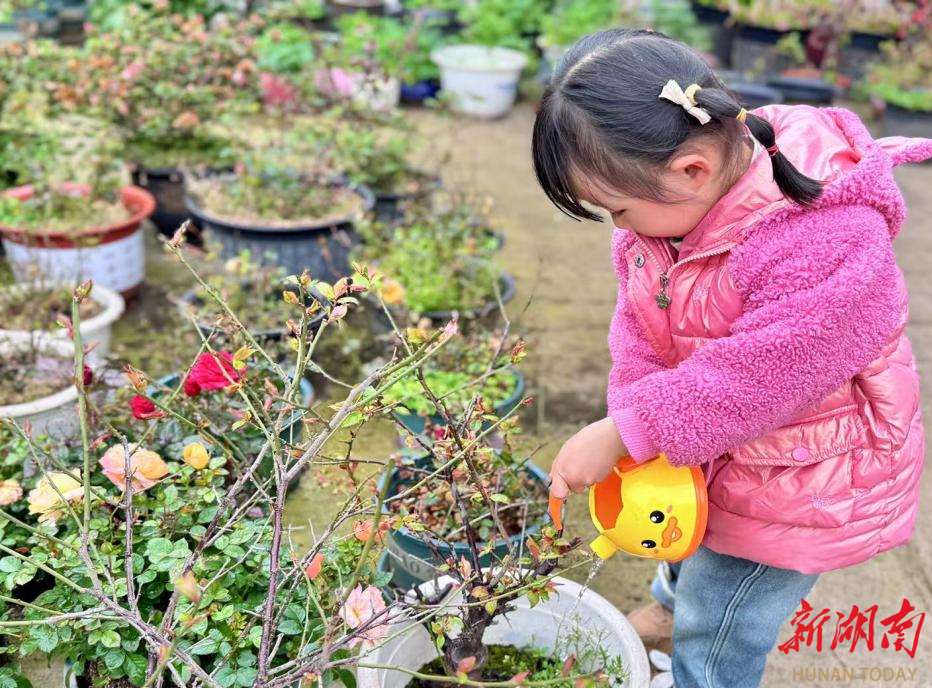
(829, 144)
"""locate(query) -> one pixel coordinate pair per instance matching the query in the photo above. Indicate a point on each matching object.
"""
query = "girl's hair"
(602, 117)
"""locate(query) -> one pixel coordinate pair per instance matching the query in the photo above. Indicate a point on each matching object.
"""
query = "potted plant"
(35, 309)
(464, 369)
(72, 217)
(37, 384)
(867, 26)
(481, 74)
(256, 293)
(297, 219)
(439, 265)
(498, 612)
(166, 94)
(760, 25)
(903, 81)
(379, 158)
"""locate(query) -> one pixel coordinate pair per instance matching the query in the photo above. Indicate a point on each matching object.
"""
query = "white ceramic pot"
(54, 414)
(94, 331)
(481, 80)
(540, 626)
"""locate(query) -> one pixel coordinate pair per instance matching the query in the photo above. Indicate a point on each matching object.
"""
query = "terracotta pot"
(112, 256)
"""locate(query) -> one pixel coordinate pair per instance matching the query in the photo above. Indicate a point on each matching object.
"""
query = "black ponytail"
(719, 103)
(601, 117)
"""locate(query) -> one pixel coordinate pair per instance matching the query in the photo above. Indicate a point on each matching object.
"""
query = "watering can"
(652, 509)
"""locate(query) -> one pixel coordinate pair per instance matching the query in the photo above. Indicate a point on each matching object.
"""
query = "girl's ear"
(692, 171)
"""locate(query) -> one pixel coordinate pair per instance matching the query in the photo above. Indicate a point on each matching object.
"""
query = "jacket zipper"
(662, 298)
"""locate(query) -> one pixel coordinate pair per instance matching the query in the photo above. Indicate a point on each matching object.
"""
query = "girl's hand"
(586, 458)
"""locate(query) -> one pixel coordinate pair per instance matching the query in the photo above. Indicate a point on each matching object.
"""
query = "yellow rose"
(392, 292)
(145, 466)
(10, 491)
(196, 456)
(45, 501)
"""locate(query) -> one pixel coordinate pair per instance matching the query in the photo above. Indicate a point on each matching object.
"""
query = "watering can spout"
(603, 547)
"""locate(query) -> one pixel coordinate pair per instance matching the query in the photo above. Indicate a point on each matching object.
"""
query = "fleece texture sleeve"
(633, 358)
(820, 302)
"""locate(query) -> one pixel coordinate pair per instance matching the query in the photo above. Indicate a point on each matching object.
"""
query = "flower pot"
(481, 81)
(337, 7)
(411, 646)
(53, 414)
(112, 256)
(389, 206)
(752, 94)
(898, 121)
(94, 331)
(321, 248)
(167, 187)
(488, 310)
(409, 558)
(721, 30)
(803, 90)
(417, 423)
(420, 91)
(190, 301)
(754, 49)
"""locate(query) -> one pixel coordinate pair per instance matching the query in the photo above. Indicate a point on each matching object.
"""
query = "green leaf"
(45, 636)
(114, 659)
(146, 576)
(110, 639)
(499, 497)
(10, 564)
(158, 548)
(135, 665)
(245, 676)
(203, 647)
(255, 635)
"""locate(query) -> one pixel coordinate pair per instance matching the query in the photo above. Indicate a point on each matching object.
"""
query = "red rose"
(88, 376)
(144, 409)
(213, 372)
(191, 388)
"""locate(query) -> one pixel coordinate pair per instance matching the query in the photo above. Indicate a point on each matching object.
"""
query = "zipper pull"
(663, 301)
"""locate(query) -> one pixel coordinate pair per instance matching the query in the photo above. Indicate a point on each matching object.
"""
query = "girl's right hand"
(586, 458)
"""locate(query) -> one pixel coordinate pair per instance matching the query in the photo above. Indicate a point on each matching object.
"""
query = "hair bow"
(672, 92)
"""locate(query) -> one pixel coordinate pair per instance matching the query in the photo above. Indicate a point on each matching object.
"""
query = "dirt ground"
(565, 281)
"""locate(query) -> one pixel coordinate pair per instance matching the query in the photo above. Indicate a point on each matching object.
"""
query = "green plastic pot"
(410, 560)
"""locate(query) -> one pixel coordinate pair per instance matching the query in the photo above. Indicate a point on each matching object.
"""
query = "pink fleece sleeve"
(633, 357)
(822, 297)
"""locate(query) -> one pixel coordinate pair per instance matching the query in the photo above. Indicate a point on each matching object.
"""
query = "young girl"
(759, 331)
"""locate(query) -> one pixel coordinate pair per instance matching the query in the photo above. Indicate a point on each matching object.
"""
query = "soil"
(79, 216)
(504, 663)
(212, 196)
(26, 376)
(40, 309)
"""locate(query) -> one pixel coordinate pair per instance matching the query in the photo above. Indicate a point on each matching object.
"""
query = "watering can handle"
(556, 511)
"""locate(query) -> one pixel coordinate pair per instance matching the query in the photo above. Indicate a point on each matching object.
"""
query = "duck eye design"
(647, 543)
(656, 516)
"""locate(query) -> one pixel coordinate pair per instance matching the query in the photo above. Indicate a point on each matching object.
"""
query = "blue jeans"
(727, 613)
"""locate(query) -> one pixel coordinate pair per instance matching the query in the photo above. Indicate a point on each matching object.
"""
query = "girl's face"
(693, 182)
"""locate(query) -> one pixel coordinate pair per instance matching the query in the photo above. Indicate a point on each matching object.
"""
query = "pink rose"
(146, 467)
(133, 70)
(361, 606)
(276, 90)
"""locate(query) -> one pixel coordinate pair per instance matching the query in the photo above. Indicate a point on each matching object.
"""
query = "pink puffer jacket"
(781, 360)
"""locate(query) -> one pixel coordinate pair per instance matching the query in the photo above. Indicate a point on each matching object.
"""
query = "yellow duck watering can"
(652, 509)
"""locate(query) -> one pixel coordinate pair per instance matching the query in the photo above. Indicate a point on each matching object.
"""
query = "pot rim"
(113, 306)
(49, 402)
(130, 196)
(368, 199)
(446, 58)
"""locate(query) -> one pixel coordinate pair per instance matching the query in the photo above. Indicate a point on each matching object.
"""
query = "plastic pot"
(482, 81)
(389, 206)
(417, 423)
(408, 557)
(752, 94)
(420, 91)
(572, 607)
(321, 248)
(802, 90)
(111, 256)
(94, 331)
(167, 187)
(899, 121)
(53, 414)
(722, 31)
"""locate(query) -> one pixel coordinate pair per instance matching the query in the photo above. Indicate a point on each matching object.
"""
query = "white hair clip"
(687, 99)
